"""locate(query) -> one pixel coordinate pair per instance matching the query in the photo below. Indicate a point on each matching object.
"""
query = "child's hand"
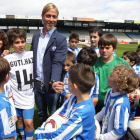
(5, 52)
(13, 98)
(15, 117)
(95, 137)
(134, 98)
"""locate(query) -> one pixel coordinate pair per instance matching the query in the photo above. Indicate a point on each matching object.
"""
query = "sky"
(97, 9)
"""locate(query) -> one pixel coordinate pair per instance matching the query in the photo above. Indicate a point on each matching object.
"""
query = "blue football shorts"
(25, 113)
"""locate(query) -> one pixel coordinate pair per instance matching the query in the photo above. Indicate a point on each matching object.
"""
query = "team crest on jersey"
(110, 108)
(65, 80)
(103, 119)
(11, 121)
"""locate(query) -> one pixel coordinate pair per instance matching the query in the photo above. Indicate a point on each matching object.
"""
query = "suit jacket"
(54, 57)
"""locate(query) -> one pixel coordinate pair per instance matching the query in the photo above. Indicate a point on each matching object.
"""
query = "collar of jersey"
(2, 94)
(21, 54)
(72, 48)
(114, 95)
(82, 103)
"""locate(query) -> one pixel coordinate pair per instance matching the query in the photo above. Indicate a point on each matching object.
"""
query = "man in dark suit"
(49, 53)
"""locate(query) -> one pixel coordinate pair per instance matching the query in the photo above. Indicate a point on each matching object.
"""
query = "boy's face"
(1, 44)
(50, 19)
(94, 39)
(111, 81)
(19, 45)
(73, 43)
(138, 53)
(67, 64)
(126, 58)
(70, 86)
(106, 52)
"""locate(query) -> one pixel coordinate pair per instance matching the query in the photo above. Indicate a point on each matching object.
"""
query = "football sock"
(22, 133)
(29, 134)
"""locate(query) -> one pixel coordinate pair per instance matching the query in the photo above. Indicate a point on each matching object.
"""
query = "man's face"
(50, 19)
(19, 45)
(106, 52)
(94, 39)
(73, 43)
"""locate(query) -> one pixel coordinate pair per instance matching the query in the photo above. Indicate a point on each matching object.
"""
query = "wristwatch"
(51, 82)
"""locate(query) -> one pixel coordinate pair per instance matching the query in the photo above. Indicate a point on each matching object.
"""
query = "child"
(136, 67)
(73, 41)
(78, 108)
(107, 45)
(95, 34)
(7, 122)
(131, 57)
(138, 51)
(70, 60)
(4, 45)
(21, 81)
(115, 113)
(88, 56)
(9, 95)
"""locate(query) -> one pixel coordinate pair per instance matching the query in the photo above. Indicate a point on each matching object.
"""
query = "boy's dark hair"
(14, 33)
(83, 76)
(4, 68)
(108, 39)
(96, 29)
(4, 39)
(74, 36)
(87, 56)
(138, 49)
(71, 57)
(126, 79)
(132, 56)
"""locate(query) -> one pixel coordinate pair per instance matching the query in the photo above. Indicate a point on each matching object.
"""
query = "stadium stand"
(30, 35)
(64, 32)
(126, 31)
(134, 35)
(82, 33)
(121, 36)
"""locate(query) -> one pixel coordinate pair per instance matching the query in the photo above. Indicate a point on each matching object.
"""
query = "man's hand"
(58, 86)
(5, 52)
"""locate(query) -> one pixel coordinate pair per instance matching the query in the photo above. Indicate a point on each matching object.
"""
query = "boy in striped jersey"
(88, 56)
(116, 111)
(7, 121)
(78, 108)
(73, 41)
(70, 60)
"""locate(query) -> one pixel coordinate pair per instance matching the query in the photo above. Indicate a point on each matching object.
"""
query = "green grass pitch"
(119, 51)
